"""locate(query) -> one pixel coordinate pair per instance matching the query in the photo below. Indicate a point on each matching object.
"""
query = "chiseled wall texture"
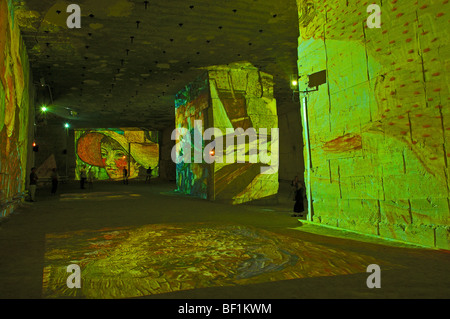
(242, 97)
(227, 97)
(15, 111)
(380, 126)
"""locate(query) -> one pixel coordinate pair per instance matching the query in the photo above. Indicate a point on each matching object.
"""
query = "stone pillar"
(232, 97)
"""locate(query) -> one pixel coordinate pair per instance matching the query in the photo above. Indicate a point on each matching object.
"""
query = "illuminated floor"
(141, 240)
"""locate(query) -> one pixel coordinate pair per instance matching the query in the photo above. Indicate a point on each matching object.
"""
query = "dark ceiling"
(125, 64)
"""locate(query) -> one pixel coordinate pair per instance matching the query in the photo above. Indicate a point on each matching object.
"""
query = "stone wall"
(291, 152)
(228, 98)
(167, 166)
(380, 126)
(53, 141)
(16, 100)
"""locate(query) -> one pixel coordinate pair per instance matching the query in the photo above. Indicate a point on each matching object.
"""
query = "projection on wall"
(380, 127)
(104, 153)
(234, 97)
(14, 106)
(192, 104)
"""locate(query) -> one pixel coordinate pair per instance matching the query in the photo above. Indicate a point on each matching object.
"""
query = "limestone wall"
(242, 97)
(15, 112)
(233, 97)
(380, 126)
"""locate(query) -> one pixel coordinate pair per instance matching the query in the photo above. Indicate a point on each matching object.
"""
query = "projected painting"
(14, 106)
(104, 153)
(155, 259)
(380, 126)
(192, 104)
(233, 97)
(242, 97)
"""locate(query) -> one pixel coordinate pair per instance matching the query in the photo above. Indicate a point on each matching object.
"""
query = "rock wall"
(230, 97)
(15, 112)
(380, 127)
(242, 97)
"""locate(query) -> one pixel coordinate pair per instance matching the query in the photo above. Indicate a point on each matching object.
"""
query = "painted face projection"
(105, 153)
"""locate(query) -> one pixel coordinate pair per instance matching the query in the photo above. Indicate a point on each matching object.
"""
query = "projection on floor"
(140, 261)
(233, 97)
(14, 106)
(104, 153)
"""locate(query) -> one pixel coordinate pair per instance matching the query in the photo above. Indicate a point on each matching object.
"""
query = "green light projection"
(237, 96)
(379, 127)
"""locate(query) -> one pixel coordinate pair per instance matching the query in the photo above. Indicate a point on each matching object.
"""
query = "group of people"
(33, 183)
(147, 177)
(89, 177)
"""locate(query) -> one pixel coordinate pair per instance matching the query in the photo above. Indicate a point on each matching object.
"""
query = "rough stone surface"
(379, 128)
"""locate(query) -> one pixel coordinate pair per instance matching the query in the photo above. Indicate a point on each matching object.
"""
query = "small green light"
(44, 108)
(66, 125)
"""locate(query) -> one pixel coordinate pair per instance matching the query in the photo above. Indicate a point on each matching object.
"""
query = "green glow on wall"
(14, 110)
(379, 126)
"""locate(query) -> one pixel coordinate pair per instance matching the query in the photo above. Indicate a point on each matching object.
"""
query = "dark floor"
(143, 240)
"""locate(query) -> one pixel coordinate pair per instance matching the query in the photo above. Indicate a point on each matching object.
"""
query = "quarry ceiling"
(125, 64)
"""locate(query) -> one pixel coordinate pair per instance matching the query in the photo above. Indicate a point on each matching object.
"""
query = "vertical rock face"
(379, 127)
(14, 111)
(230, 98)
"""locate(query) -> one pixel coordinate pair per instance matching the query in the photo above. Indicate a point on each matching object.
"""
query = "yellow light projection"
(14, 110)
(155, 259)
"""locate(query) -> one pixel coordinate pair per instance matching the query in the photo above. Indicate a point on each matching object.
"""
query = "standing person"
(149, 174)
(91, 176)
(298, 206)
(83, 177)
(294, 187)
(125, 176)
(54, 178)
(33, 184)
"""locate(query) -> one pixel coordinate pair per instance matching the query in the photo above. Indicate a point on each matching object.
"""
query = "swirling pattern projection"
(155, 259)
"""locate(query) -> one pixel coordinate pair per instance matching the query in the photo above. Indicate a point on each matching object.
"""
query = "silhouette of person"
(298, 206)
(91, 177)
(149, 174)
(83, 177)
(33, 184)
(125, 176)
(54, 178)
